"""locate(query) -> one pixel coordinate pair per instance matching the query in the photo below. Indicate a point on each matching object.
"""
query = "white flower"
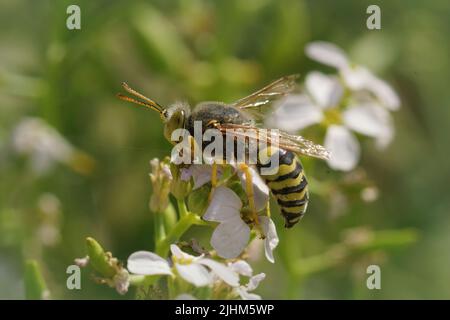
(356, 77)
(197, 270)
(343, 147)
(201, 173)
(323, 94)
(148, 263)
(243, 268)
(299, 111)
(193, 269)
(271, 238)
(372, 120)
(254, 250)
(37, 139)
(260, 189)
(232, 234)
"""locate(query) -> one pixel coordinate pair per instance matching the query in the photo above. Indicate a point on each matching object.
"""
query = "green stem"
(143, 284)
(160, 232)
(182, 208)
(186, 221)
(136, 280)
(379, 240)
(315, 264)
(35, 288)
(171, 291)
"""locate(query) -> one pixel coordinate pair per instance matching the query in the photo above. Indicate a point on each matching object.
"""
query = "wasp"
(288, 184)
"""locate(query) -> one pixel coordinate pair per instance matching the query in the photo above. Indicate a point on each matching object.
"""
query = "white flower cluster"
(232, 235)
(199, 271)
(37, 139)
(44, 146)
(353, 100)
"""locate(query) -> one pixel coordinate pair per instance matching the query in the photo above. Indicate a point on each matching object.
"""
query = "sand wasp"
(288, 184)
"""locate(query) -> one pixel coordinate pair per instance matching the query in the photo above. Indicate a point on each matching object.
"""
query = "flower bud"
(180, 187)
(161, 179)
(102, 262)
(108, 267)
(170, 217)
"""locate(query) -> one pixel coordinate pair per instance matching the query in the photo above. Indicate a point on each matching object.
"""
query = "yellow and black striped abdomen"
(288, 185)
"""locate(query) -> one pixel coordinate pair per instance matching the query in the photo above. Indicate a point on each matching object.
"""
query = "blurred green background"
(222, 50)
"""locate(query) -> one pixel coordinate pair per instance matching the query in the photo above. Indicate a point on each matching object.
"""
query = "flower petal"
(271, 240)
(369, 119)
(230, 238)
(202, 174)
(254, 250)
(356, 77)
(343, 146)
(384, 92)
(179, 254)
(222, 271)
(225, 205)
(294, 112)
(147, 263)
(186, 173)
(246, 295)
(326, 90)
(241, 267)
(361, 78)
(194, 273)
(260, 188)
(327, 53)
(254, 281)
(382, 141)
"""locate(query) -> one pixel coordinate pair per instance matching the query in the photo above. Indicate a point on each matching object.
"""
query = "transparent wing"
(266, 95)
(284, 140)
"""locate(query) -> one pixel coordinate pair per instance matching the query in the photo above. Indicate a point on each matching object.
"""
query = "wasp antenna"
(125, 86)
(140, 95)
(126, 98)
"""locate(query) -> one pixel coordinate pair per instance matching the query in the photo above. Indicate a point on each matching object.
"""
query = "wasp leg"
(249, 190)
(194, 148)
(213, 180)
(262, 234)
(268, 208)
